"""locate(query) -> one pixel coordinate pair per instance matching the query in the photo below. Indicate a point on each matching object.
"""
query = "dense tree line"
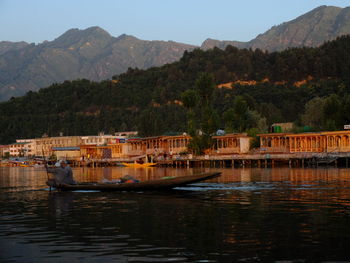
(156, 101)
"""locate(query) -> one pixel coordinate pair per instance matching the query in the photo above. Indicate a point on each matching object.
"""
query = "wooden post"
(290, 163)
(233, 163)
(346, 162)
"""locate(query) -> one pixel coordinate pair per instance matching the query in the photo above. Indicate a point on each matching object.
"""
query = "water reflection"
(32, 178)
(21, 178)
(250, 215)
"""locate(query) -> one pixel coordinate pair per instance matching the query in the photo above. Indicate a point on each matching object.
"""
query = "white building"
(22, 147)
(104, 139)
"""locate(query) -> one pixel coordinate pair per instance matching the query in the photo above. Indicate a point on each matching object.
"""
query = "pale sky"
(187, 21)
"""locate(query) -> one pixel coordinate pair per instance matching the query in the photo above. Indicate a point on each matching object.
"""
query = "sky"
(186, 21)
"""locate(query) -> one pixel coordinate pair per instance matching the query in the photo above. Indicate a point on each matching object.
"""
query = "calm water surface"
(246, 215)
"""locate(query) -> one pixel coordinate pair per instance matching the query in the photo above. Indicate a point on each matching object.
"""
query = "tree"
(202, 117)
(313, 114)
(205, 87)
(346, 110)
(190, 100)
(332, 112)
(240, 118)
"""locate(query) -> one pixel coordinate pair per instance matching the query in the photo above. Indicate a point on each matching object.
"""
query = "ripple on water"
(227, 186)
(247, 215)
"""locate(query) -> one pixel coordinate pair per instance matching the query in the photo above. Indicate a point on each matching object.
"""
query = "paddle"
(45, 164)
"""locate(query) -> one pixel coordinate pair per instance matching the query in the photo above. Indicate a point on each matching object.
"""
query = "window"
(219, 143)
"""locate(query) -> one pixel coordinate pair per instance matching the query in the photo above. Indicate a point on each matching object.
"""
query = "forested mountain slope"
(274, 87)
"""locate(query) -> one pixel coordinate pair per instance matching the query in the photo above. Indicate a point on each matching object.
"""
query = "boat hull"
(153, 185)
(139, 165)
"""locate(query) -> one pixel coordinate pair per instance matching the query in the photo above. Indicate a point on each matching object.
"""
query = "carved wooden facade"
(317, 142)
(234, 143)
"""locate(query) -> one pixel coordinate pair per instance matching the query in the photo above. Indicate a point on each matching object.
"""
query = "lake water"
(246, 215)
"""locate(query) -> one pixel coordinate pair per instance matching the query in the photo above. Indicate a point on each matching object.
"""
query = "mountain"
(7, 46)
(276, 86)
(312, 29)
(91, 53)
(96, 55)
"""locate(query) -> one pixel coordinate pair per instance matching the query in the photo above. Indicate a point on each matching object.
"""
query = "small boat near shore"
(139, 165)
(152, 185)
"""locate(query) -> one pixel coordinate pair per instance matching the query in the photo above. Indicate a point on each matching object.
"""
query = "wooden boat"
(139, 165)
(152, 185)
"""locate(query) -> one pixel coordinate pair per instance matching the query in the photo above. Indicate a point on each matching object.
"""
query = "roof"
(305, 134)
(231, 135)
(347, 132)
(274, 134)
(66, 148)
(344, 132)
(173, 134)
(4, 146)
(19, 143)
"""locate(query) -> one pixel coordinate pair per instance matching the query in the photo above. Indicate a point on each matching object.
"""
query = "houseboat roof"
(230, 135)
(336, 132)
(66, 148)
(19, 143)
(274, 134)
(305, 134)
(347, 132)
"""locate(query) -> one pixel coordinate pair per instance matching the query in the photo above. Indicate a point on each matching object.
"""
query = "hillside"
(6, 46)
(96, 55)
(91, 53)
(275, 87)
(312, 29)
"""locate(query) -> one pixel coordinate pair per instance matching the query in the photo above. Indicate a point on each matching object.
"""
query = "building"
(177, 144)
(312, 142)
(22, 147)
(106, 146)
(100, 139)
(4, 150)
(88, 152)
(282, 127)
(45, 145)
(337, 141)
(307, 142)
(158, 146)
(274, 142)
(126, 134)
(64, 153)
(18, 149)
(153, 146)
(233, 143)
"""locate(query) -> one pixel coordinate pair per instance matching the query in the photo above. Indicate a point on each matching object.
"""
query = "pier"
(236, 161)
(312, 149)
(263, 160)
